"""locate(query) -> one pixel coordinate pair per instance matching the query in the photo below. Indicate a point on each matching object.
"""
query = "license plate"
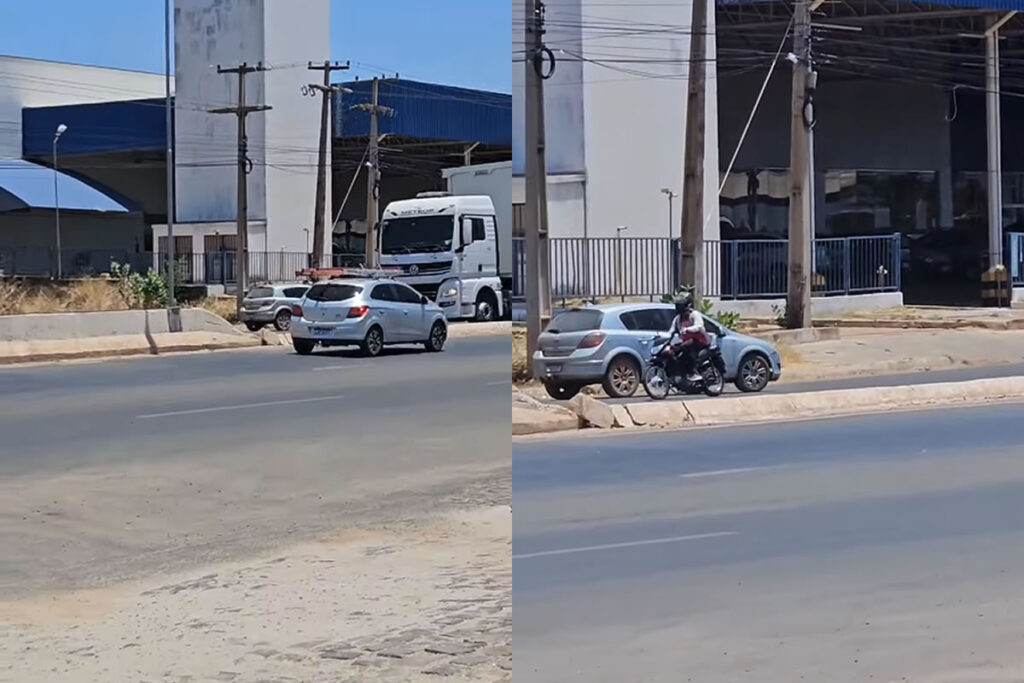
(320, 330)
(554, 369)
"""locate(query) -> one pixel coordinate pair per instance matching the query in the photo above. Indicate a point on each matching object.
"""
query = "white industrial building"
(614, 141)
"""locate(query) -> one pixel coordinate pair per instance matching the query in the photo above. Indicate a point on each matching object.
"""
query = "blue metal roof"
(428, 111)
(24, 185)
(133, 125)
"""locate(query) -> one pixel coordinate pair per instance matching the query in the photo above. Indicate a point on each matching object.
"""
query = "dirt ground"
(418, 601)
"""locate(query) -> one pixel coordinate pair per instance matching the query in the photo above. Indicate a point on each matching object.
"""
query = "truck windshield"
(417, 234)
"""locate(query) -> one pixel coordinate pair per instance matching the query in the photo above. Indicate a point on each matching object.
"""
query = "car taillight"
(591, 341)
(297, 311)
(358, 311)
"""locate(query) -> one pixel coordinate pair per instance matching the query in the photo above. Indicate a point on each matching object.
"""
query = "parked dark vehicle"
(664, 372)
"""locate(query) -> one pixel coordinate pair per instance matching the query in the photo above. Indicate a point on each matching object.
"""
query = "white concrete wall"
(208, 33)
(36, 83)
(566, 204)
(294, 33)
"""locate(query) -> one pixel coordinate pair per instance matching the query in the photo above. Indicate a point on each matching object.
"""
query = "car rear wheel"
(622, 378)
(303, 347)
(753, 374)
(373, 342)
(283, 320)
(438, 336)
(562, 391)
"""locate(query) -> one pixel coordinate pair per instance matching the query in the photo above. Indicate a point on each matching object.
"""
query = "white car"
(367, 312)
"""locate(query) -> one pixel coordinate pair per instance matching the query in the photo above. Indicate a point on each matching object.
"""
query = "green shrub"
(138, 290)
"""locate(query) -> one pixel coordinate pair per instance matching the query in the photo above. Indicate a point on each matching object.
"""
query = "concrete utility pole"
(172, 304)
(535, 214)
(327, 90)
(373, 172)
(691, 257)
(801, 195)
(242, 111)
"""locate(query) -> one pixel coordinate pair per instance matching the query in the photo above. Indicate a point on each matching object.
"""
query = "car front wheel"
(753, 374)
(438, 336)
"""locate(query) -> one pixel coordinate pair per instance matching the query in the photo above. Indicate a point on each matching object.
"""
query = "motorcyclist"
(689, 336)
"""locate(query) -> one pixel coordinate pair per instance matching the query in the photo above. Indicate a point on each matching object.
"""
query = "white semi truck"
(456, 246)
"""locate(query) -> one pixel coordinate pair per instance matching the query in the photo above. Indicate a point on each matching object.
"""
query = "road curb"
(836, 402)
(119, 346)
(467, 330)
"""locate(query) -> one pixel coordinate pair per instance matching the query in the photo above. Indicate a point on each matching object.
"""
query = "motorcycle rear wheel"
(656, 383)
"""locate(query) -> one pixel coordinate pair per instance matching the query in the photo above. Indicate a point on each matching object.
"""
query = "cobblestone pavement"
(416, 601)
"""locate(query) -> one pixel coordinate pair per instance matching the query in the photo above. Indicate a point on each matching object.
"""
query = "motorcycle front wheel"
(714, 382)
(656, 382)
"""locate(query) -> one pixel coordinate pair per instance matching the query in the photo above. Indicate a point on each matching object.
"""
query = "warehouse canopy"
(25, 185)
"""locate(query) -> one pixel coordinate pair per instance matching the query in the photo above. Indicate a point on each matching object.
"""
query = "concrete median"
(69, 336)
(778, 407)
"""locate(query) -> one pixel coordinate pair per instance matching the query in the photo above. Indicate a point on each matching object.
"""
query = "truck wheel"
(486, 307)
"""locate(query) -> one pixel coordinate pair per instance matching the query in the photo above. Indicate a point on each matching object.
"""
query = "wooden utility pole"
(373, 173)
(327, 90)
(801, 212)
(242, 111)
(691, 256)
(535, 214)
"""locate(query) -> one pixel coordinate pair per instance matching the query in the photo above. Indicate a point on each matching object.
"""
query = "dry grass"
(520, 364)
(224, 306)
(84, 295)
(789, 355)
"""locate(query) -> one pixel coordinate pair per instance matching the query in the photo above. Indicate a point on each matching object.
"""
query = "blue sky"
(455, 42)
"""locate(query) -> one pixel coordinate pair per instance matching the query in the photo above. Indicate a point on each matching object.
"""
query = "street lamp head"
(61, 129)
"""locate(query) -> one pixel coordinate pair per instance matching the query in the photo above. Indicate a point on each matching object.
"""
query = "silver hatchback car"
(610, 344)
(271, 305)
(366, 312)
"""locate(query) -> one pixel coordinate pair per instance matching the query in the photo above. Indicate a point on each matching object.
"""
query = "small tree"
(137, 290)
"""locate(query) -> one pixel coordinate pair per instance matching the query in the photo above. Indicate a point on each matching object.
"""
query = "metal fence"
(206, 268)
(1015, 257)
(630, 267)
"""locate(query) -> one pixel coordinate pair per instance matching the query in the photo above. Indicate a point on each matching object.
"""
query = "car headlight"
(449, 291)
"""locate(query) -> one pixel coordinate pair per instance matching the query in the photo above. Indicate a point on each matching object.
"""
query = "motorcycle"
(664, 373)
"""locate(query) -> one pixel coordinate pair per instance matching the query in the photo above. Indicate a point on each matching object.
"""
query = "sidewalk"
(873, 351)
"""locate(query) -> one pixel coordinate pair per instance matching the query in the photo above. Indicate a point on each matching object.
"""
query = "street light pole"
(671, 197)
(56, 199)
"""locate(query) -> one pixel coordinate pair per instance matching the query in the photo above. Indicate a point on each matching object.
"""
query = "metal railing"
(1015, 257)
(205, 268)
(648, 267)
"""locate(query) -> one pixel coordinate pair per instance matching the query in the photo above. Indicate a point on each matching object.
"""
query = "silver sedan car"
(271, 304)
(370, 313)
(610, 344)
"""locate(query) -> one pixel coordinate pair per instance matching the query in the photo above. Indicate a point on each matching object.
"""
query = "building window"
(517, 220)
(755, 204)
(880, 202)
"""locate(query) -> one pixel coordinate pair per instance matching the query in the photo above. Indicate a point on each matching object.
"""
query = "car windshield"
(332, 292)
(417, 233)
(575, 321)
(260, 293)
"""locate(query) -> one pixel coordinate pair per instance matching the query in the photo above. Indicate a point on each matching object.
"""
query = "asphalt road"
(902, 379)
(112, 469)
(884, 547)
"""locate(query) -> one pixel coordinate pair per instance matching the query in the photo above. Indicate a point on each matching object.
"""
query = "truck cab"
(447, 248)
